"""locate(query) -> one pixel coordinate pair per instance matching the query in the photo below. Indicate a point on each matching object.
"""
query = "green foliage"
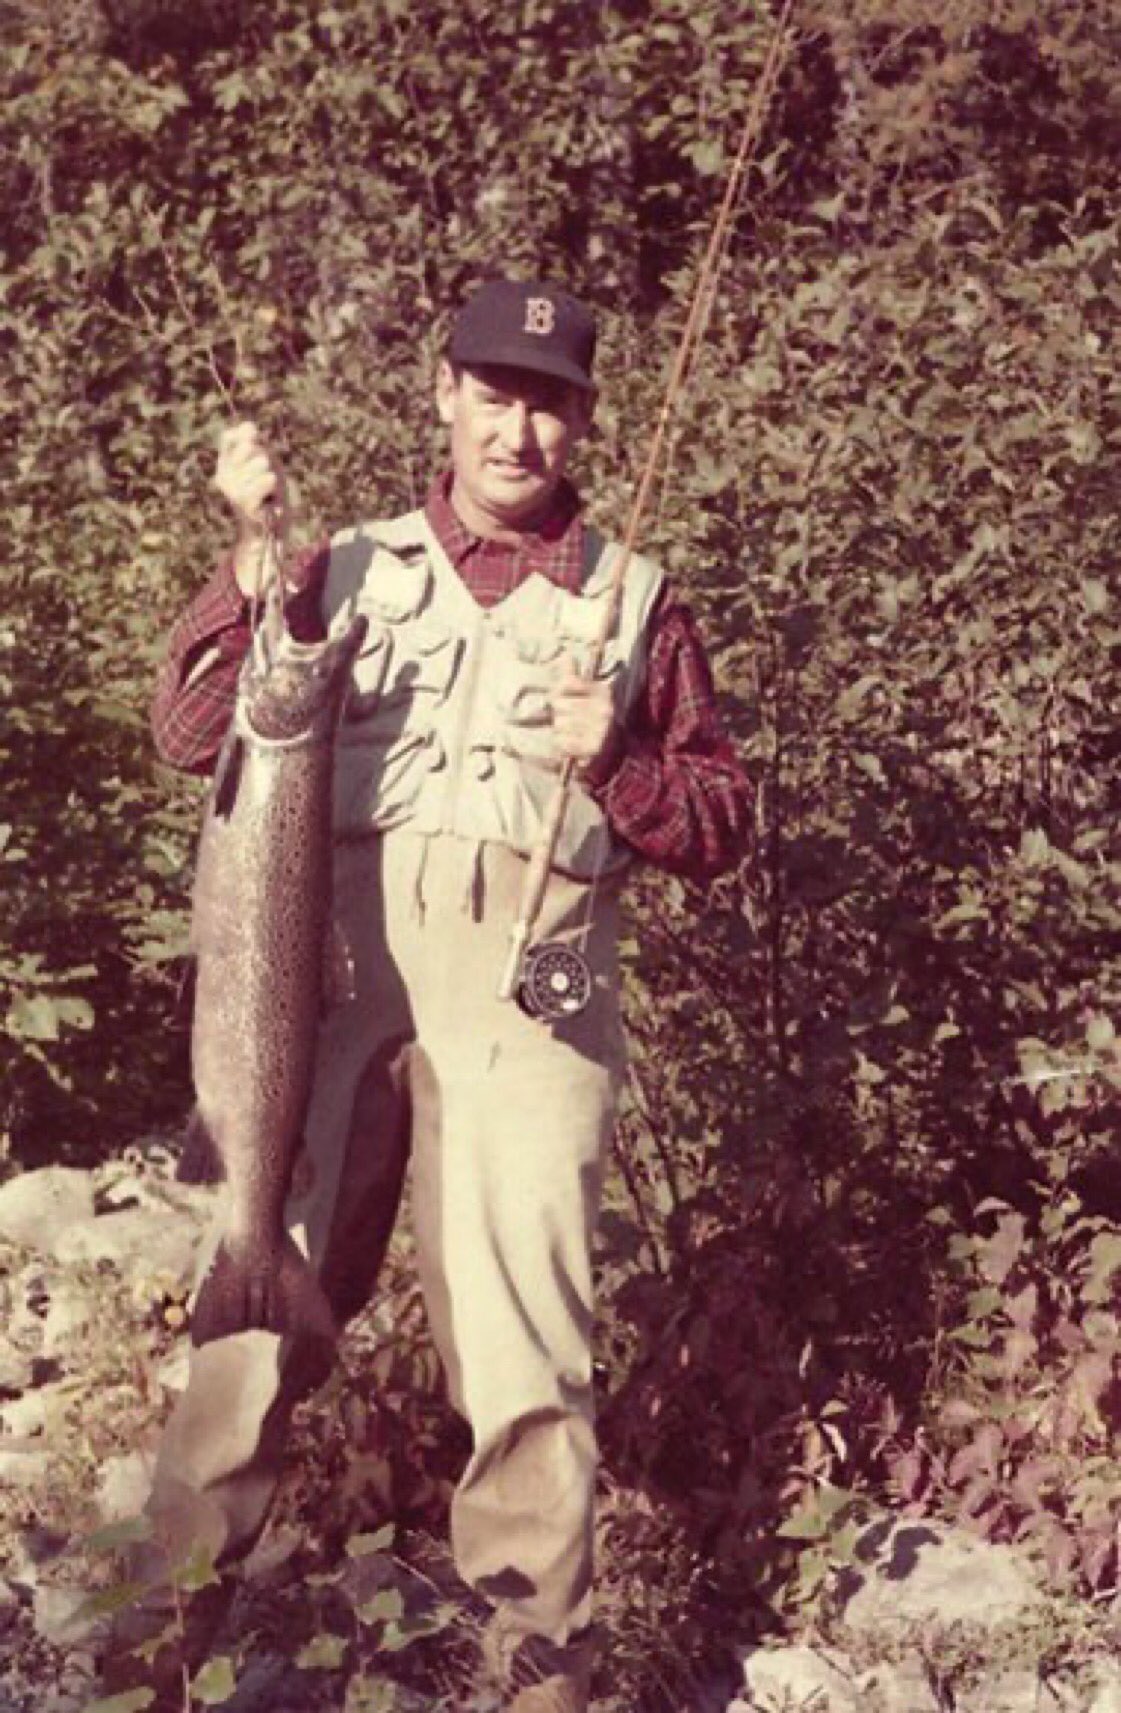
(890, 500)
(1026, 1440)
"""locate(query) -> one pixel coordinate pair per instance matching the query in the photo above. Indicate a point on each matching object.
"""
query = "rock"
(69, 1698)
(120, 1187)
(173, 1370)
(779, 1678)
(37, 1208)
(31, 1296)
(920, 1573)
(33, 1547)
(1107, 1689)
(37, 1410)
(139, 1241)
(24, 1417)
(902, 1688)
(59, 1617)
(10, 1597)
(124, 1485)
(15, 1368)
(68, 1316)
(23, 1465)
(1009, 1692)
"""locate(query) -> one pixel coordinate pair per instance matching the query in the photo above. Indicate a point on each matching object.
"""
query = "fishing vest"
(447, 727)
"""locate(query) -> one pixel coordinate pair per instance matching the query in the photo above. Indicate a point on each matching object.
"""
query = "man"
(466, 696)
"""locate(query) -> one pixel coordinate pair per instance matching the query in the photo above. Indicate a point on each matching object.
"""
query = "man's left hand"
(583, 715)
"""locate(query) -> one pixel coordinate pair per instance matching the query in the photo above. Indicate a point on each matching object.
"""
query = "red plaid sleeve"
(673, 787)
(197, 683)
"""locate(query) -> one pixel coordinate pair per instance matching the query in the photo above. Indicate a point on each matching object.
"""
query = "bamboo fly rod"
(541, 860)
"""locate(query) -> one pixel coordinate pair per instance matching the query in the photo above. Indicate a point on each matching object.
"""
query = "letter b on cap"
(540, 316)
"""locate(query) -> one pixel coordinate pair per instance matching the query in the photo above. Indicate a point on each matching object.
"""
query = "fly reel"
(554, 982)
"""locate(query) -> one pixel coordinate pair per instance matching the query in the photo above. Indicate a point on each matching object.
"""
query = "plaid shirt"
(670, 785)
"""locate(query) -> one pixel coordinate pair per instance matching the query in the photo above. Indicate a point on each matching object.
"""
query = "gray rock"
(909, 1573)
(30, 1300)
(68, 1316)
(9, 1595)
(796, 1680)
(24, 1465)
(36, 1411)
(173, 1370)
(15, 1367)
(121, 1186)
(24, 1417)
(1107, 1689)
(142, 1242)
(75, 1690)
(37, 1208)
(1010, 1692)
(123, 1486)
(902, 1688)
(59, 1618)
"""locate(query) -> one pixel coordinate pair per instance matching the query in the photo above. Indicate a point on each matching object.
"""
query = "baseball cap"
(528, 325)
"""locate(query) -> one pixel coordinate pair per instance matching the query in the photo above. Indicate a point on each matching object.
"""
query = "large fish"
(260, 929)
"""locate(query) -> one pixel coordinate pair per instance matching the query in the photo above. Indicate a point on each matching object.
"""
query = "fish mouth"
(290, 695)
(347, 642)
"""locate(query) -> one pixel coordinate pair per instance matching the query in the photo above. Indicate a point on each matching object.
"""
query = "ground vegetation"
(863, 1234)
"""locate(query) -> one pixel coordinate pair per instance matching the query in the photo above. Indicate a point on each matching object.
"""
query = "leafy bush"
(890, 499)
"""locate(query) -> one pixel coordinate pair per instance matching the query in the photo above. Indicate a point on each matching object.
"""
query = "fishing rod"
(552, 980)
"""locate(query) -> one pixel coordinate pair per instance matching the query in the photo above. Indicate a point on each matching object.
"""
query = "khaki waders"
(507, 1122)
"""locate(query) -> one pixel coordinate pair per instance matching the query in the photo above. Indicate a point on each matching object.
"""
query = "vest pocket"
(402, 676)
(524, 792)
(387, 742)
(377, 785)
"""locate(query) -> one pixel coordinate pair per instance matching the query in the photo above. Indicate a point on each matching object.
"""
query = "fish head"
(298, 692)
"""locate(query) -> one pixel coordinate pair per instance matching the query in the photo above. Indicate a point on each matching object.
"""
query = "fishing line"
(553, 981)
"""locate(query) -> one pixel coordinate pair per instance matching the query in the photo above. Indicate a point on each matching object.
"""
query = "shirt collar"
(554, 547)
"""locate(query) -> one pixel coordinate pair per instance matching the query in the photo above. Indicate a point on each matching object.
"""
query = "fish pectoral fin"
(274, 1291)
(339, 983)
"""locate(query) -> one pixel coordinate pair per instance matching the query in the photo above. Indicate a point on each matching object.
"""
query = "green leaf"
(812, 1522)
(363, 1545)
(386, 1607)
(1103, 1265)
(112, 1536)
(370, 1695)
(109, 1601)
(216, 1681)
(197, 1572)
(34, 1018)
(74, 1013)
(1100, 1033)
(326, 1652)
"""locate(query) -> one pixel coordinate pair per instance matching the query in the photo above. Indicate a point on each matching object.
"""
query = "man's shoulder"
(380, 565)
(643, 577)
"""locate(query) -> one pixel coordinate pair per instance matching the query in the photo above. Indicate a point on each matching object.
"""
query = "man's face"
(511, 435)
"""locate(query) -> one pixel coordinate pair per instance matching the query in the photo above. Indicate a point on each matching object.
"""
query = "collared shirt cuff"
(596, 775)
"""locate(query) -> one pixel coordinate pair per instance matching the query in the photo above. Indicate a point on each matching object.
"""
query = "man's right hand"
(251, 482)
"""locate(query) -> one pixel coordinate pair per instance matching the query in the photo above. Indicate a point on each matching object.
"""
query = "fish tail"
(274, 1292)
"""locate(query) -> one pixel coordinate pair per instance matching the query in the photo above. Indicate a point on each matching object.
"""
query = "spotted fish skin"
(261, 914)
